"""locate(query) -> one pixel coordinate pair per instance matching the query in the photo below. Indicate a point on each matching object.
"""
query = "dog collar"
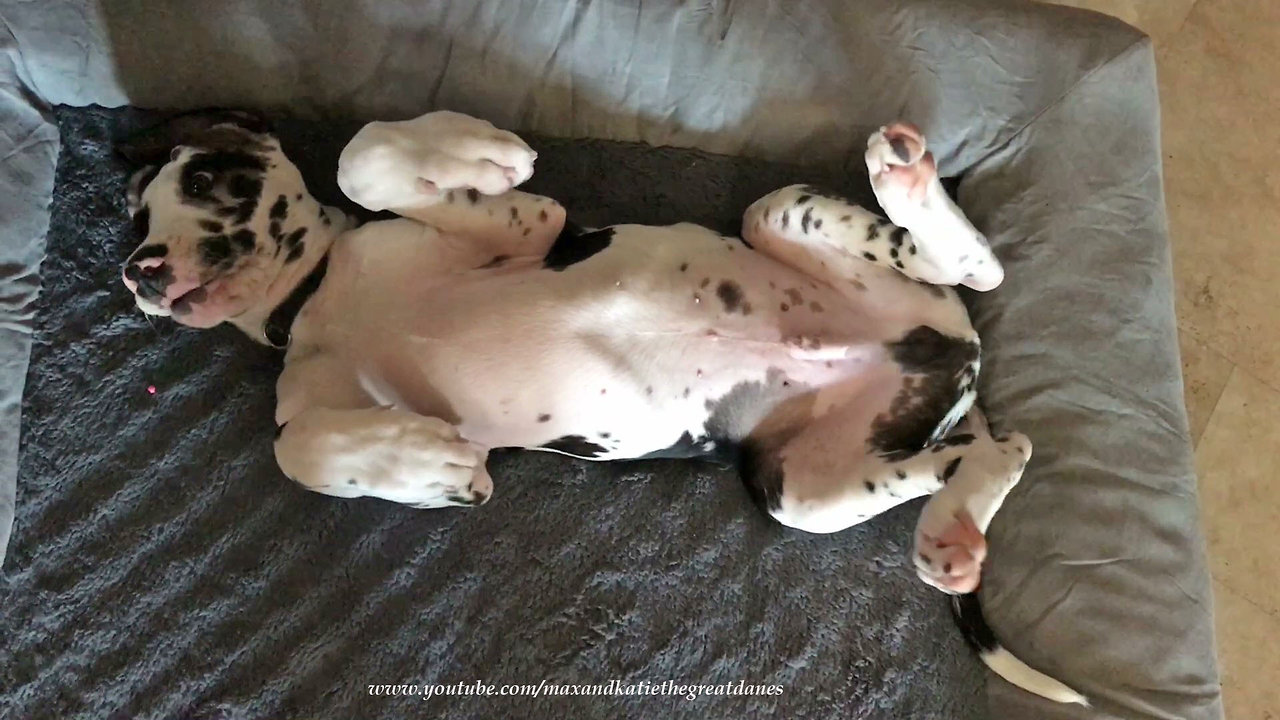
(277, 330)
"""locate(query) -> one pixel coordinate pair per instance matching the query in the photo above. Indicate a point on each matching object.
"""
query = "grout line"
(1269, 612)
(1185, 19)
(1213, 410)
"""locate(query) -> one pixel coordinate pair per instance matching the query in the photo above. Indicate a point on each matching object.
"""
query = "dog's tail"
(967, 612)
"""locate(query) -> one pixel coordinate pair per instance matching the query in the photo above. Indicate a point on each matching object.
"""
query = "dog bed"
(190, 579)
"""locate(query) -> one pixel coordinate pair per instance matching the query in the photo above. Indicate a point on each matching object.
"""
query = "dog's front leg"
(457, 174)
(383, 452)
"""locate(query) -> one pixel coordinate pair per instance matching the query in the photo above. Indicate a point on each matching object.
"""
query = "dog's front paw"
(438, 468)
(420, 162)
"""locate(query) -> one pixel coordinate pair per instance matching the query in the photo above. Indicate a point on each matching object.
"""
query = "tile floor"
(1219, 66)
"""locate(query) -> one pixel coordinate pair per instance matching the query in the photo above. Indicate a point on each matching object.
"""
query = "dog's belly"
(650, 344)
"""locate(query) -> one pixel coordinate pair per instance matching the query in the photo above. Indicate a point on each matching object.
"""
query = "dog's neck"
(268, 322)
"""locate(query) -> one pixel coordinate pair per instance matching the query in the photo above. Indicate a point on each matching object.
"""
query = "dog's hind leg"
(830, 237)
(383, 452)
(455, 173)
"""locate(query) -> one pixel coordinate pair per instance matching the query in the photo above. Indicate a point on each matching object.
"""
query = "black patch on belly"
(573, 246)
(938, 368)
(761, 472)
(576, 445)
(730, 294)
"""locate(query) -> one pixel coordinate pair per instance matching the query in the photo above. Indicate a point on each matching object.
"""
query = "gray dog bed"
(162, 567)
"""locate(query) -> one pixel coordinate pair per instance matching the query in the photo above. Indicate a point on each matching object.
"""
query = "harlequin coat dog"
(825, 346)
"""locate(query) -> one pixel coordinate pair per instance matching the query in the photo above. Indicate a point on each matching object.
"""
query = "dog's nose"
(151, 275)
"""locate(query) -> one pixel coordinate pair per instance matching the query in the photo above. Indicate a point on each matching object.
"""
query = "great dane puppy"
(825, 346)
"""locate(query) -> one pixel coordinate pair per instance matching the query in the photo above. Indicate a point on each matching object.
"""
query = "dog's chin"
(151, 308)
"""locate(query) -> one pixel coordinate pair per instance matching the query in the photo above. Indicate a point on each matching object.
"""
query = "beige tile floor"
(1219, 66)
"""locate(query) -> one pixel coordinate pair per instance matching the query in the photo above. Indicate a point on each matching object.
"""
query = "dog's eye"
(199, 184)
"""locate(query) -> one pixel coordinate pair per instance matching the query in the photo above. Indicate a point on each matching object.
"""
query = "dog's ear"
(212, 129)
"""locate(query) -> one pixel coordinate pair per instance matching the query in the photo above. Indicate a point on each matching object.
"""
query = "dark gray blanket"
(161, 566)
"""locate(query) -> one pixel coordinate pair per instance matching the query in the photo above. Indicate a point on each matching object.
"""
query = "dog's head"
(226, 225)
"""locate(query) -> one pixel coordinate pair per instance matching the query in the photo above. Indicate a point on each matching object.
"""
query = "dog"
(826, 347)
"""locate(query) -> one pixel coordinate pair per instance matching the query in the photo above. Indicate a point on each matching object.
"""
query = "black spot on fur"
(898, 264)
(893, 253)
(276, 233)
(215, 250)
(828, 194)
(873, 232)
(244, 187)
(496, 261)
(544, 417)
(958, 439)
(817, 224)
(146, 252)
(243, 240)
(897, 236)
(573, 246)
(473, 196)
(293, 239)
(730, 294)
(786, 218)
(142, 223)
(279, 209)
(784, 307)
(806, 219)
(684, 266)
(212, 226)
(902, 475)
(870, 486)
(352, 481)
(950, 469)
(296, 252)
(542, 215)
(869, 256)
(803, 199)
(576, 445)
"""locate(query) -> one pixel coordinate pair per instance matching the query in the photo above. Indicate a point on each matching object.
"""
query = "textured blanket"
(162, 567)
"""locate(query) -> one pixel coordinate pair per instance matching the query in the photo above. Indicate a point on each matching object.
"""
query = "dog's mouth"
(186, 302)
(181, 305)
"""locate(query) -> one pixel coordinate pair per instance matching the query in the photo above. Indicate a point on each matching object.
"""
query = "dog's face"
(221, 214)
